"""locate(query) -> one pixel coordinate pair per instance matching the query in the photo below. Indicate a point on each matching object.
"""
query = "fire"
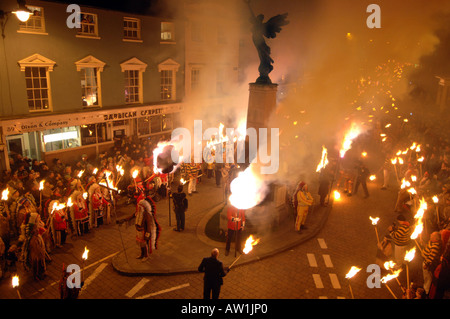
(419, 216)
(182, 181)
(412, 191)
(80, 173)
(323, 161)
(85, 254)
(414, 178)
(336, 195)
(15, 281)
(435, 199)
(421, 159)
(353, 271)
(85, 195)
(135, 173)
(57, 206)
(388, 277)
(389, 265)
(120, 170)
(247, 189)
(249, 243)
(374, 220)
(410, 254)
(5, 194)
(41, 185)
(95, 171)
(348, 139)
(364, 154)
(69, 202)
(405, 184)
(400, 161)
(372, 177)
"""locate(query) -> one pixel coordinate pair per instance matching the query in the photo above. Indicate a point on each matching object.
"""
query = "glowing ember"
(353, 271)
(85, 254)
(247, 189)
(5, 194)
(374, 220)
(323, 160)
(249, 243)
(15, 281)
(410, 254)
(348, 139)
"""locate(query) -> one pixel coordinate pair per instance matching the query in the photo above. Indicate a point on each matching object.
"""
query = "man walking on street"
(214, 273)
(180, 204)
(361, 178)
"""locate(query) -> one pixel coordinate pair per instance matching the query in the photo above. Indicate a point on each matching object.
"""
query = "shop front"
(68, 136)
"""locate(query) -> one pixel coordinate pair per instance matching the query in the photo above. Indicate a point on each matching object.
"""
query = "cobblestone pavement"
(312, 266)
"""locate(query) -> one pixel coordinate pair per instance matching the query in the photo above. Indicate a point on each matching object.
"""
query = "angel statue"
(269, 30)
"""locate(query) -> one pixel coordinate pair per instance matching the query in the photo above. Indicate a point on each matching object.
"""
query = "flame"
(353, 271)
(95, 171)
(420, 159)
(414, 178)
(247, 189)
(182, 181)
(388, 265)
(413, 146)
(374, 220)
(85, 254)
(135, 173)
(418, 148)
(388, 125)
(15, 281)
(400, 161)
(405, 184)
(372, 177)
(69, 202)
(80, 173)
(41, 185)
(394, 161)
(85, 195)
(348, 139)
(412, 191)
(419, 216)
(249, 243)
(323, 160)
(5, 194)
(364, 154)
(57, 206)
(388, 277)
(410, 254)
(336, 195)
(120, 170)
(435, 199)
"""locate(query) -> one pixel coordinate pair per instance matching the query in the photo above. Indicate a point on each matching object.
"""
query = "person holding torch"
(235, 226)
(400, 235)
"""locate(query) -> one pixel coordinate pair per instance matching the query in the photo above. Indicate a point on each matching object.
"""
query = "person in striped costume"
(431, 255)
(400, 236)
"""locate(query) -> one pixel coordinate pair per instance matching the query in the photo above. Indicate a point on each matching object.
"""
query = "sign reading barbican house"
(41, 123)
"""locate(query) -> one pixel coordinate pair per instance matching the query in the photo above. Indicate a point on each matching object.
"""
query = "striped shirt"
(431, 252)
(401, 235)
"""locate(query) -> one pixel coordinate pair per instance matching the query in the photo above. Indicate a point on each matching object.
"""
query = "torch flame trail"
(348, 139)
(353, 271)
(324, 159)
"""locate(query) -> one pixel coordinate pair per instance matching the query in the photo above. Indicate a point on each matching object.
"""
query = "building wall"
(61, 45)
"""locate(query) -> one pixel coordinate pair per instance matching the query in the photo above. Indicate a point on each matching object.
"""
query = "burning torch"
(374, 223)
(249, 243)
(15, 284)
(353, 271)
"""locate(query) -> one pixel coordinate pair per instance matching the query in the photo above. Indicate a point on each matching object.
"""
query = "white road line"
(93, 276)
(322, 243)
(312, 260)
(137, 287)
(163, 291)
(327, 260)
(317, 281)
(335, 281)
(87, 267)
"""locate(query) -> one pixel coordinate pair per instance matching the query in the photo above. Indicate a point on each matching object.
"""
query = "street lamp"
(22, 13)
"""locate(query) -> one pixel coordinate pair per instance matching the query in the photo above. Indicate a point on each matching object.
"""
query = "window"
(132, 89)
(37, 81)
(90, 69)
(89, 26)
(36, 22)
(167, 31)
(143, 124)
(131, 29)
(61, 138)
(168, 71)
(133, 69)
(89, 87)
(195, 79)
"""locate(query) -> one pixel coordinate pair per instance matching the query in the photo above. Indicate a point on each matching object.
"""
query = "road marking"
(327, 260)
(163, 291)
(335, 281)
(93, 276)
(87, 267)
(312, 260)
(322, 243)
(317, 281)
(137, 287)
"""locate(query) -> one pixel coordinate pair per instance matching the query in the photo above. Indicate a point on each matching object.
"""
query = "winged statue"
(260, 30)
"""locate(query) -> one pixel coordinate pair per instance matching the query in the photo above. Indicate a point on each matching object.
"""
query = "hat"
(301, 185)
